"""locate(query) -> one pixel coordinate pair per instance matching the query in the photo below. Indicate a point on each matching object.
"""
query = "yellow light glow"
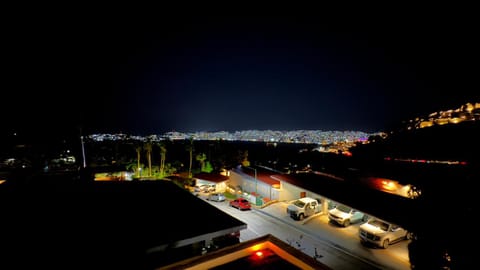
(259, 253)
(441, 121)
(455, 120)
(257, 247)
(425, 124)
(389, 185)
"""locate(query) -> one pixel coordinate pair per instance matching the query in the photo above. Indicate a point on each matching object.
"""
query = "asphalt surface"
(329, 252)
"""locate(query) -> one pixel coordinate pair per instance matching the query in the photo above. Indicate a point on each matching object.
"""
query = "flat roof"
(263, 175)
(275, 254)
(114, 221)
(393, 208)
(212, 177)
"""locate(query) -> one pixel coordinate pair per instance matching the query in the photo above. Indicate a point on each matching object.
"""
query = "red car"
(241, 204)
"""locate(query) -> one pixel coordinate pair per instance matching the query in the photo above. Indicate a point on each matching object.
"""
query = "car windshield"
(379, 224)
(344, 208)
(299, 203)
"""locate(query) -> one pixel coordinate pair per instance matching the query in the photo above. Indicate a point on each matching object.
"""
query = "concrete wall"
(235, 179)
(286, 192)
(249, 184)
(289, 192)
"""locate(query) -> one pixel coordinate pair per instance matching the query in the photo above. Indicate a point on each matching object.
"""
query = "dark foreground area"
(59, 223)
(98, 225)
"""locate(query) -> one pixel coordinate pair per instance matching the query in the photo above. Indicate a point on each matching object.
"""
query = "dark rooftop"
(212, 177)
(265, 252)
(107, 224)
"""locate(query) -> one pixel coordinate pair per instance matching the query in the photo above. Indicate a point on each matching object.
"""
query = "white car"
(205, 188)
(381, 233)
(344, 215)
(217, 197)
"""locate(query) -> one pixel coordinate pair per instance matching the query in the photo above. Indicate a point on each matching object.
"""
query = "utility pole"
(256, 182)
(83, 149)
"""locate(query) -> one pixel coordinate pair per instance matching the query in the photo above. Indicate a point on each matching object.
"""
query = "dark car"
(241, 204)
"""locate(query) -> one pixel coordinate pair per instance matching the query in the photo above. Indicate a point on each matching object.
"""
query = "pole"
(83, 148)
(256, 191)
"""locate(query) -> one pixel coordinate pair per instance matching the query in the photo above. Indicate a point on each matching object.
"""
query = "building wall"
(275, 194)
(249, 185)
(286, 192)
(314, 195)
(289, 192)
(235, 179)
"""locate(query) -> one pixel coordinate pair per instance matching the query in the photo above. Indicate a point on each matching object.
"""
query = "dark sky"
(168, 69)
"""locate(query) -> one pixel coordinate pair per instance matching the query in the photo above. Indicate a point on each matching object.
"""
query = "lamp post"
(83, 148)
(83, 152)
(256, 191)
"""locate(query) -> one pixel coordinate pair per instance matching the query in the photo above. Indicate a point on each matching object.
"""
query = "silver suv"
(344, 215)
(381, 233)
(217, 197)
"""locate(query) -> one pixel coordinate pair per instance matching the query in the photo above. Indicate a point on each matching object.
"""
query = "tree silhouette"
(163, 153)
(148, 149)
(190, 149)
(138, 149)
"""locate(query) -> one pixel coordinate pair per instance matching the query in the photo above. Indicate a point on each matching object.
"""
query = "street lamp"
(83, 152)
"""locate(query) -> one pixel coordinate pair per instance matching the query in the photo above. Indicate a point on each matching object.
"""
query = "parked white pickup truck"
(381, 233)
(303, 207)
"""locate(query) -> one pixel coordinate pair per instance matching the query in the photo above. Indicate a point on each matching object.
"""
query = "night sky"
(210, 71)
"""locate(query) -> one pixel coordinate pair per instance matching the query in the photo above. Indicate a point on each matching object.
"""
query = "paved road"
(334, 244)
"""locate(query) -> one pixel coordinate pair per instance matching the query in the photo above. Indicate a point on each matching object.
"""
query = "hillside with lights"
(469, 112)
(448, 136)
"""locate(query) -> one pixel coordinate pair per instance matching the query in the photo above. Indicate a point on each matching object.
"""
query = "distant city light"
(449, 162)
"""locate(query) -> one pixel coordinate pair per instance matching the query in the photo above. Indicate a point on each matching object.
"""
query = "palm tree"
(190, 150)
(148, 149)
(163, 153)
(138, 148)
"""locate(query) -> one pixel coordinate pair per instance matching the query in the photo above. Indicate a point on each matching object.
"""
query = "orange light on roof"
(257, 247)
